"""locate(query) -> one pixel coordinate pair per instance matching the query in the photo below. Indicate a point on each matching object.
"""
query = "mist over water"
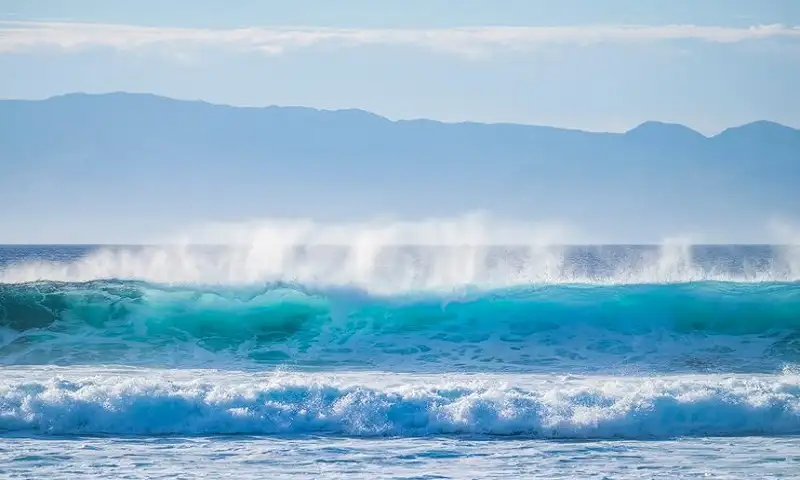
(395, 257)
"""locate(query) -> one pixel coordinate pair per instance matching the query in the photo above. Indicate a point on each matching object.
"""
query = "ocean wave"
(635, 408)
(704, 326)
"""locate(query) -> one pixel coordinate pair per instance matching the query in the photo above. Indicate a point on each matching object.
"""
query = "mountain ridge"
(143, 162)
(644, 125)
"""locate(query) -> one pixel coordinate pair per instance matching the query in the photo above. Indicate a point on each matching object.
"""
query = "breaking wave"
(704, 326)
(379, 331)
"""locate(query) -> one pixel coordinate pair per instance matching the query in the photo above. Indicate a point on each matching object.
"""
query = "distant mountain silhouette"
(78, 157)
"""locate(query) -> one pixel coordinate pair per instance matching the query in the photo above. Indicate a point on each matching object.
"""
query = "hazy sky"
(602, 65)
(598, 65)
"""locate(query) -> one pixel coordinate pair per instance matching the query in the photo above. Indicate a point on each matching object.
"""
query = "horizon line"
(390, 119)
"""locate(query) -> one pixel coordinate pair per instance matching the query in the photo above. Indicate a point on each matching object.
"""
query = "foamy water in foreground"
(145, 423)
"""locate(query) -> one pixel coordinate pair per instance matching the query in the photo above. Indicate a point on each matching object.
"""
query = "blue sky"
(588, 64)
(407, 13)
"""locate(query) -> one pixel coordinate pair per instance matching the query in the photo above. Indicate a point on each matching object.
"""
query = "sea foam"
(291, 404)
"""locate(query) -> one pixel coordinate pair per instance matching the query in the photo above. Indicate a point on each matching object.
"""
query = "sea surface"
(365, 361)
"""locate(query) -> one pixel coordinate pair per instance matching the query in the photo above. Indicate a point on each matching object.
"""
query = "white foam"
(159, 402)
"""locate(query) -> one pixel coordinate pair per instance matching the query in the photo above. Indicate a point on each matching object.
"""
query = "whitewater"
(439, 349)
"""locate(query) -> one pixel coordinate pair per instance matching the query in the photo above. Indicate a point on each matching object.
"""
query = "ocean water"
(388, 361)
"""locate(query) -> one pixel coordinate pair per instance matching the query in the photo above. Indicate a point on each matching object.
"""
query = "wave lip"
(298, 405)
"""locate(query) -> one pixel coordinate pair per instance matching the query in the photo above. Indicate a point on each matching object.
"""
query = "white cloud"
(467, 41)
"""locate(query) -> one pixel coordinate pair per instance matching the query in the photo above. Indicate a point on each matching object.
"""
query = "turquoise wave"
(694, 326)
